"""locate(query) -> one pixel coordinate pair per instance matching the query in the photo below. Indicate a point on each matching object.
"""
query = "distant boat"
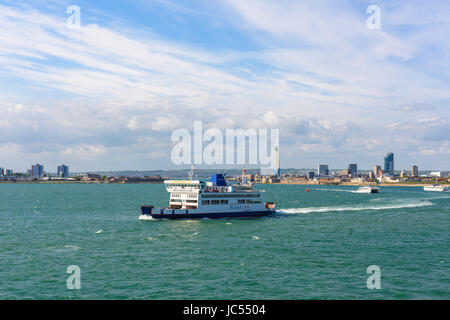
(368, 189)
(436, 187)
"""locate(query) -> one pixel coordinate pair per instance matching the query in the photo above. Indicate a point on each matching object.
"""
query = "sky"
(108, 95)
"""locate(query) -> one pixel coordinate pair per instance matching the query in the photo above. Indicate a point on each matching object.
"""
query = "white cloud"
(319, 75)
(84, 151)
(442, 150)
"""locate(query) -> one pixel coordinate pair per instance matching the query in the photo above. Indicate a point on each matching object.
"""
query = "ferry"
(436, 187)
(195, 199)
(368, 189)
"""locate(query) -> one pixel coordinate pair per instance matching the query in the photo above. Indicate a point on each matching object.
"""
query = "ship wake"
(341, 190)
(353, 208)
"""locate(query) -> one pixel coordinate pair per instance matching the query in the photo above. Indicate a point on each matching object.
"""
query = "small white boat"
(368, 189)
(436, 187)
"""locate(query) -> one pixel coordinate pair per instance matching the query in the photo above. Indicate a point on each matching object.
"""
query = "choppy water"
(318, 247)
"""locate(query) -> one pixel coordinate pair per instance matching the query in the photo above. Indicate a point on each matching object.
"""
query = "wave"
(146, 217)
(434, 197)
(339, 190)
(342, 208)
(75, 248)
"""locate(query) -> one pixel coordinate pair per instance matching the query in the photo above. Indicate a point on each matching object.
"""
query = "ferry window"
(241, 201)
(223, 201)
(205, 202)
(248, 201)
(176, 200)
(214, 201)
(191, 201)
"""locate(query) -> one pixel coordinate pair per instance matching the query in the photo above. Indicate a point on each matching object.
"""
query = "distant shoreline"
(277, 183)
(75, 182)
(362, 184)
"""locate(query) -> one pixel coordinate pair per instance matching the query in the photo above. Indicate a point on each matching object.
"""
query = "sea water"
(318, 246)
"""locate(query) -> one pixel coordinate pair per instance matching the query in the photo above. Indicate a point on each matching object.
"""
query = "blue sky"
(108, 96)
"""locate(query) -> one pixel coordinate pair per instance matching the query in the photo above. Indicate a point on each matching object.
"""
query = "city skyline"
(108, 95)
(387, 167)
(322, 169)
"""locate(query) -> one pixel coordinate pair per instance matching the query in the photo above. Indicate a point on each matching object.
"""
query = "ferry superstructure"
(196, 199)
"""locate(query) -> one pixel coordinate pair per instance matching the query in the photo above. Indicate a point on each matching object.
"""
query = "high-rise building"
(310, 175)
(389, 164)
(323, 170)
(63, 171)
(37, 170)
(414, 171)
(377, 171)
(2, 172)
(8, 172)
(353, 169)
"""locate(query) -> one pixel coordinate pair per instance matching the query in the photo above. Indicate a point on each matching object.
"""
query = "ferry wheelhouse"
(193, 199)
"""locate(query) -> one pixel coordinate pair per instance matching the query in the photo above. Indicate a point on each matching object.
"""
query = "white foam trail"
(146, 217)
(255, 238)
(439, 197)
(338, 190)
(75, 248)
(99, 231)
(359, 191)
(331, 209)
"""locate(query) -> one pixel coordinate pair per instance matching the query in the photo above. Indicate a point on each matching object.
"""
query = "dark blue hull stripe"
(215, 215)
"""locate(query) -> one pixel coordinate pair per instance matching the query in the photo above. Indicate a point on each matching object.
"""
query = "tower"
(414, 171)
(389, 164)
(353, 169)
(277, 162)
